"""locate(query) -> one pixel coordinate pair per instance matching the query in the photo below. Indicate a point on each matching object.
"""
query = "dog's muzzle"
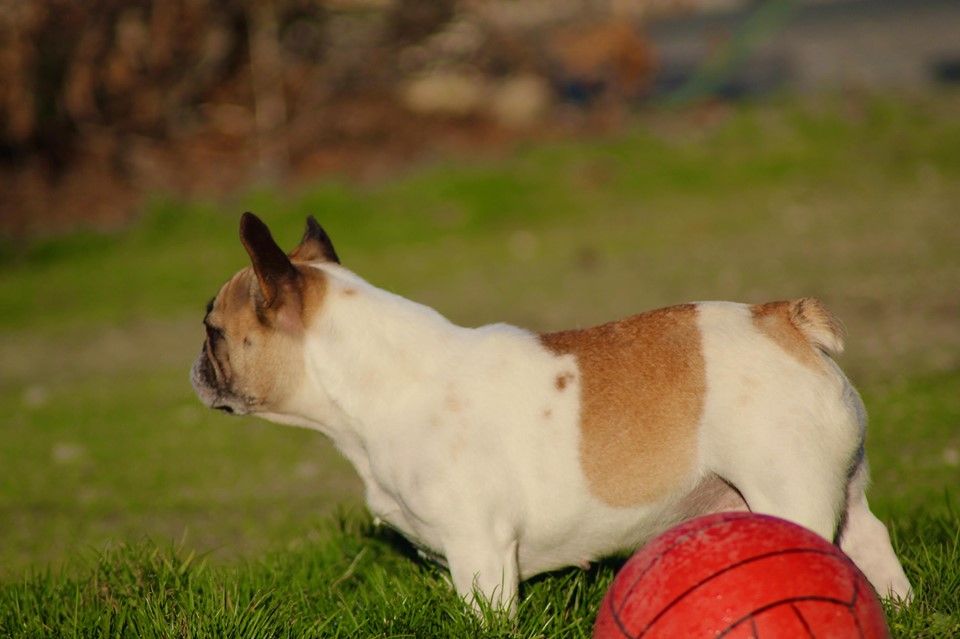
(203, 378)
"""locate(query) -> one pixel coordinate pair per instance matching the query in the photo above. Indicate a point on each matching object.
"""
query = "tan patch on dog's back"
(799, 327)
(642, 385)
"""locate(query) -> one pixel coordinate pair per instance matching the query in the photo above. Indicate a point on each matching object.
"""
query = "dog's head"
(252, 357)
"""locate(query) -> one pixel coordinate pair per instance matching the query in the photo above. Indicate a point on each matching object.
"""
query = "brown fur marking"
(781, 321)
(642, 388)
(259, 362)
(563, 379)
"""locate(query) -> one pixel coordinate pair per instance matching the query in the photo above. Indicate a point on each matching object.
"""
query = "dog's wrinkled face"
(246, 364)
(252, 357)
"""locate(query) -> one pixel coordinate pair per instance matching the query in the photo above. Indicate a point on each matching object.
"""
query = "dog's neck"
(369, 358)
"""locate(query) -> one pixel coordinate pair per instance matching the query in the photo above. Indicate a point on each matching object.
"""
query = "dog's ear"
(315, 245)
(275, 272)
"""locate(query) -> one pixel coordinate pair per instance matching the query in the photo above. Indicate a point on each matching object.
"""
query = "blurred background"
(105, 102)
(550, 163)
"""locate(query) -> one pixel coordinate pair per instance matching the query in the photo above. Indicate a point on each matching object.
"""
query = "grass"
(853, 200)
(348, 579)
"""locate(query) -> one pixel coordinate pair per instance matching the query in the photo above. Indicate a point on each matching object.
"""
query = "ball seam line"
(676, 600)
(781, 602)
(727, 517)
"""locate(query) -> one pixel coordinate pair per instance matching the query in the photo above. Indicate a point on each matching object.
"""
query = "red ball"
(740, 575)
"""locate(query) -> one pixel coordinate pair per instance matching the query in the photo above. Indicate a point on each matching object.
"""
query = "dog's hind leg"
(790, 469)
(812, 498)
(865, 540)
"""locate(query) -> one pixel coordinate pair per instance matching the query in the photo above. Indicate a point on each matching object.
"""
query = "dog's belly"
(601, 531)
(581, 542)
(576, 536)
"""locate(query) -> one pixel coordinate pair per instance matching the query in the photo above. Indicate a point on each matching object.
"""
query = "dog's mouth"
(210, 390)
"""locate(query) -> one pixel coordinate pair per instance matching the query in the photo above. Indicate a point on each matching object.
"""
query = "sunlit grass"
(347, 579)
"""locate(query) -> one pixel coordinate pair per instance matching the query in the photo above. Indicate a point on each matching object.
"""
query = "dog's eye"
(214, 333)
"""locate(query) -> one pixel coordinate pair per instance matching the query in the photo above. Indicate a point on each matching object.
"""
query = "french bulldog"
(508, 453)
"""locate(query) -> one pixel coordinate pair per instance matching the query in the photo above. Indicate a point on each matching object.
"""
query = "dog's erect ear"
(275, 273)
(315, 245)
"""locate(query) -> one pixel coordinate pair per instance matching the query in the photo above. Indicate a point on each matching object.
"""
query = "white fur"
(445, 425)
(778, 430)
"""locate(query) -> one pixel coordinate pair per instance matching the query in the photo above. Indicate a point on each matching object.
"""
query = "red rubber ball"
(740, 575)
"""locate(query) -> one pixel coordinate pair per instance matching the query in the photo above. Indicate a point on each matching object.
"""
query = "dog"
(508, 453)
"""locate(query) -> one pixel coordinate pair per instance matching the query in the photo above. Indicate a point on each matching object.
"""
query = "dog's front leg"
(487, 568)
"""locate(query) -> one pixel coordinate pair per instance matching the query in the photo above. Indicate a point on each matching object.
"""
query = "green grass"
(104, 447)
(348, 579)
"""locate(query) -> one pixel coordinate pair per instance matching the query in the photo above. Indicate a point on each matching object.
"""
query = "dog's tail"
(818, 325)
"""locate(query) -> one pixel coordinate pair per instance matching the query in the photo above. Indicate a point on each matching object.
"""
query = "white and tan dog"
(509, 453)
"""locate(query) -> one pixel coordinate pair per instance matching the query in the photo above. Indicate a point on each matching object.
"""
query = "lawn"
(127, 509)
